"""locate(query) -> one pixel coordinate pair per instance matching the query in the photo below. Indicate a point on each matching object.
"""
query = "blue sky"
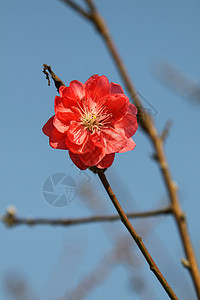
(53, 260)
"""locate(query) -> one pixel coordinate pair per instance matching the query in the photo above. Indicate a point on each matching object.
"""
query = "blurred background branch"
(178, 82)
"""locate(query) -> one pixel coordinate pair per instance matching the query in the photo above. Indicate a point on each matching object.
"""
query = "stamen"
(97, 117)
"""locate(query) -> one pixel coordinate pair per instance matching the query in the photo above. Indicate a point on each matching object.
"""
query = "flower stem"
(135, 236)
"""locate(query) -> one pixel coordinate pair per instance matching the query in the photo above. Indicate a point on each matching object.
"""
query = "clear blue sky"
(53, 260)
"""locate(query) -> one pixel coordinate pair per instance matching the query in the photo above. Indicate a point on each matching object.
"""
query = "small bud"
(163, 165)
(11, 210)
(175, 185)
(9, 217)
(185, 263)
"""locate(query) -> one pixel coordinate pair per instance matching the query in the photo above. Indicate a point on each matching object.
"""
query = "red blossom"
(93, 121)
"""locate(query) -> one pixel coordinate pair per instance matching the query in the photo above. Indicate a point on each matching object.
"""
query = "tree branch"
(57, 81)
(10, 218)
(77, 8)
(166, 130)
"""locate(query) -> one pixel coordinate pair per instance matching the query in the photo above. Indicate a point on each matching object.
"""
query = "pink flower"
(93, 121)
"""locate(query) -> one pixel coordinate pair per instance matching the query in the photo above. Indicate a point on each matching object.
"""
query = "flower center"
(90, 121)
(95, 118)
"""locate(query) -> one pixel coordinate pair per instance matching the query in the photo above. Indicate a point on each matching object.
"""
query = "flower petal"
(117, 105)
(113, 141)
(76, 160)
(78, 88)
(97, 138)
(65, 115)
(65, 101)
(132, 109)
(129, 146)
(67, 92)
(116, 88)
(92, 158)
(78, 139)
(107, 161)
(48, 127)
(77, 133)
(87, 146)
(128, 124)
(56, 139)
(92, 79)
(60, 126)
(97, 87)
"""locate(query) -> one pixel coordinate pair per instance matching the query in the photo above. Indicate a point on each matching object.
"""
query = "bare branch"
(166, 130)
(91, 6)
(10, 218)
(57, 81)
(178, 82)
(77, 8)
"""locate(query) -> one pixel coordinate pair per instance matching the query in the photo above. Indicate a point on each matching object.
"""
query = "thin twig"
(166, 130)
(136, 237)
(178, 82)
(57, 81)
(77, 8)
(149, 128)
(10, 218)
